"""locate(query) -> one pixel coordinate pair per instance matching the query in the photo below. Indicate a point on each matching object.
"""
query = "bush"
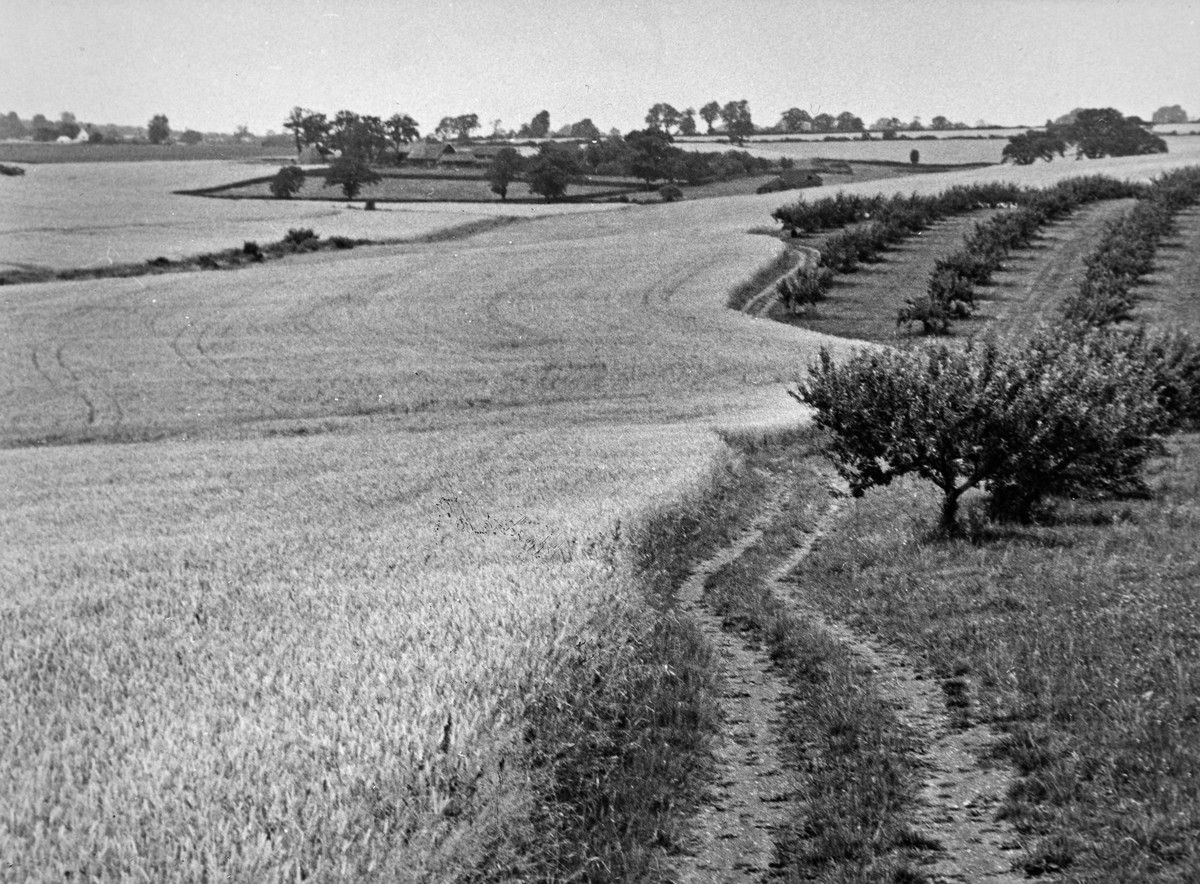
(804, 288)
(287, 182)
(299, 235)
(342, 242)
(775, 185)
(352, 174)
(974, 265)
(670, 193)
(952, 289)
(252, 249)
(1063, 413)
(934, 316)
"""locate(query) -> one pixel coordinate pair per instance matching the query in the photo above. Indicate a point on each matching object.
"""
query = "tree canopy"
(550, 171)
(538, 127)
(459, 127)
(653, 155)
(795, 120)
(738, 125)
(1172, 114)
(506, 166)
(351, 173)
(158, 129)
(1031, 146)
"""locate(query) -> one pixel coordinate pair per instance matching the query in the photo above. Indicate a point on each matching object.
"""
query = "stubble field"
(342, 521)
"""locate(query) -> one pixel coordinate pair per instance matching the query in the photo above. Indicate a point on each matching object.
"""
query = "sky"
(212, 65)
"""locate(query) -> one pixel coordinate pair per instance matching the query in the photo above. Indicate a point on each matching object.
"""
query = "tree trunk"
(949, 522)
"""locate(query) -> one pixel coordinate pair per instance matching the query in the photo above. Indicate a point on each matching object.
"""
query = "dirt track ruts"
(956, 801)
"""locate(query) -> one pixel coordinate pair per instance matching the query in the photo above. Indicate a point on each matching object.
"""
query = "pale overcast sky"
(214, 64)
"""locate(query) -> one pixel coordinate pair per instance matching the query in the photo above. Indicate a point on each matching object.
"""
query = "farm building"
(428, 153)
(433, 153)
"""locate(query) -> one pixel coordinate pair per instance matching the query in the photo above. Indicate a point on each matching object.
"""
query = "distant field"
(949, 151)
(89, 214)
(437, 186)
(43, 152)
(939, 152)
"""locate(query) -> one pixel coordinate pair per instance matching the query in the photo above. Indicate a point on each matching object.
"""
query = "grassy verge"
(618, 748)
(764, 276)
(1080, 638)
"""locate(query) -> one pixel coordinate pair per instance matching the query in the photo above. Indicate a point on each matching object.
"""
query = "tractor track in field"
(754, 794)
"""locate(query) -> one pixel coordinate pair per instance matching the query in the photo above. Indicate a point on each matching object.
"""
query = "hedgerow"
(841, 209)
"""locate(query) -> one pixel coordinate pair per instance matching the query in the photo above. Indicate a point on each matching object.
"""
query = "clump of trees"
(363, 136)
(650, 154)
(459, 127)
(1172, 114)
(538, 127)
(735, 115)
(1093, 132)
